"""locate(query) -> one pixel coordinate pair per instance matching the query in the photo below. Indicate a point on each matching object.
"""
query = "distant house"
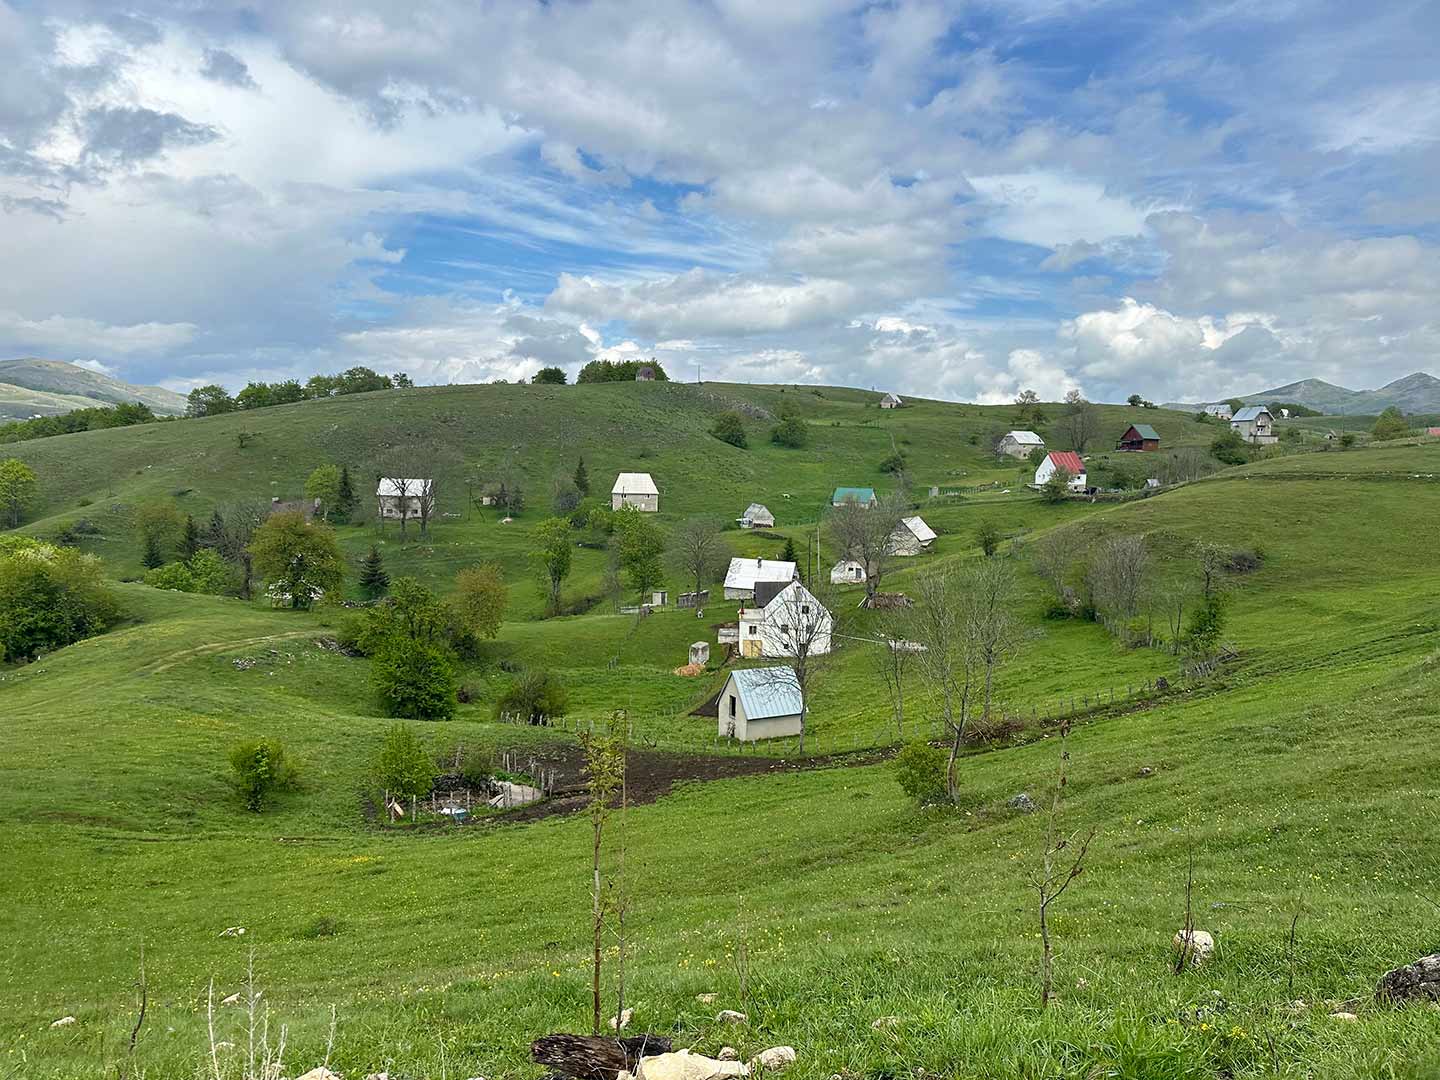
(645, 373)
(761, 703)
(757, 516)
(402, 498)
(842, 495)
(635, 489)
(847, 572)
(891, 401)
(1062, 459)
(1433, 432)
(1139, 437)
(745, 575)
(1255, 425)
(784, 620)
(1020, 444)
(910, 537)
(1220, 411)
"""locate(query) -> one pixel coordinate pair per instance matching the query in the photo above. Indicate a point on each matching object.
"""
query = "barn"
(744, 575)
(1139, 437)
(757, 516)
(910, 537)
(761, 703)
(1019, 444)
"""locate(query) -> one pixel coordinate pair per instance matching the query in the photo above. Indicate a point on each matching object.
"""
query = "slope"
(41, 386)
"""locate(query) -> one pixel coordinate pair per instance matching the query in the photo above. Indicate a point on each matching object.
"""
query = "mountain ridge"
(32, 386)
(1417, 392)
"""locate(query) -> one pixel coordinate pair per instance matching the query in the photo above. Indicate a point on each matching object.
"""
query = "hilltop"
(1418, 392)
(33, 387)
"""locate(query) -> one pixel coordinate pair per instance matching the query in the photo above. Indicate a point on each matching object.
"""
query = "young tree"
(993, 632)
(373, 578)
(152, 558)
(478, 603)
(1053, 560)
(1119, 579)
(414, 679)
(161, 529)
(1210, 559)
(301, 560)
(189, 538)
(987, 538)
(699, 551)
(893, 659)
(535, 696)
(260, 767)
(792, 432)
(322, 487)
(1056, 488)
(788, 554)
(729, 427)
(605, 765)
(345, 498)
(1390, 424)
(238, 525)
(947, 663)
(1054, 875)
(552, 557)
(863, 534)
(402, 765)
(1080, 422)
(564, 495)
(639, 543)
(582, 478)
(18, 487)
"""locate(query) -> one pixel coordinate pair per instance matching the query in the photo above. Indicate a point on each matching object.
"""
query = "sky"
(953, 200)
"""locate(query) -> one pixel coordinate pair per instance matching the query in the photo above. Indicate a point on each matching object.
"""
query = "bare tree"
(1053, 559)
(947, 664)
(863, 533)
(1119, 579)
(893, 659)
(992, 631)
(415, 467)
(231, 530)
(1080, 421)
(1175, 598)
(1210, 559)
(605, 765)
(1061, 862)
(699, 550)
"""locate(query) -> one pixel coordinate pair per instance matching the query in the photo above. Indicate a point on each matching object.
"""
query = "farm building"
(1020, 444)
(1220, 412)
(400, 497)
(745, 575)
(847, 572)
(635, 489)
(1255, 424)
(761, 703)
(756, 516)
(645, 373)
(1139, 437)
(786, 620)
(1062, 459)
(891, 401)
(910, 537)
(863, 495)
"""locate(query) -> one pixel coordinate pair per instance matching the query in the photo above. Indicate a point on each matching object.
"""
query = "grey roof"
(768, 692)
(1026, 438)
(765, 591)
(1250, 412)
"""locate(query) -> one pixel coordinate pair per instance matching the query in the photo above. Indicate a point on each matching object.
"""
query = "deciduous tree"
(552, 556)
(301, 560)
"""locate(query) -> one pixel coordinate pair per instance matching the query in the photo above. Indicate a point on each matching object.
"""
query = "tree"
(373, 578)
(1028, 409)
(204, 572)
(1347, 440)
(582, 478)
(1080, 422)
(1053, 560)
(639, 543)
(993, 633)
(699, 551)
(402, 766)
(791, 432)
(1119, 579)
(892, 660)
(161, 530)
(189, 538)
(211, 400)
(788, 554)
(605, 765)
(50, 597)
(920, 772)
(414, 678)
(946, 662)
(1210, 560)
(256, 395)
(1228, 447)
(301, 560)
(1054, 877)
(345, 499)
(1390, 425)
(863, 533)
(478, 604)
(536, 697)
(152, 557)
(1135, 401)
(552, 557)
(987, 538)
(261, 767)
(322, 487)
(1056, 488)
(550, 376)
(18, 486)
(237, 526)
(729, 427)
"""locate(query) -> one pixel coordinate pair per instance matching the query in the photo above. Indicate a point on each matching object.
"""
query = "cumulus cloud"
(223, 66)
(61, 333)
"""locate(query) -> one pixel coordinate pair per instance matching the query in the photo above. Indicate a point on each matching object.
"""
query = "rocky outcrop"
(1419, 981)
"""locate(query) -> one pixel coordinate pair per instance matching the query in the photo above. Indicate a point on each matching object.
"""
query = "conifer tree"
(373, 578)
(153, 556)
(582, 478)
(190, 539)
(345, 503)
(214, 533)
(788, 555)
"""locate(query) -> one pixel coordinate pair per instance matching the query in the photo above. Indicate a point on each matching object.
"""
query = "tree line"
(213, 399)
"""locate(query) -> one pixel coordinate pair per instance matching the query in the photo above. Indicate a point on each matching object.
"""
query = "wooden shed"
(1139, 437)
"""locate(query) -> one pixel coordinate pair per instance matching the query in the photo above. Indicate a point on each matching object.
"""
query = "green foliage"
(161, 530)
(582, 478)
(788, 554)
(323, 486)
(792, 432)
(189, 538)
(345, 500)
(477, 605)
(1390, 424)
(211, 400)
(535, 696)
(403, 766)
(94, 419)
(414, 679)
(477, 764)
(203, 572)
(552, 558)
(374, 581)
(152, 558)
(1347, 440)
(18, 487)
(1134, 401)
(893, 463)
(920, 772)
(300, 560)
(1229, 448)
(50, 597)
(550, 376)
(988, 537)
(639, 545)
(1056, 487)
(1206, 624)
(729, 427)
(259, 769)
(619, 371)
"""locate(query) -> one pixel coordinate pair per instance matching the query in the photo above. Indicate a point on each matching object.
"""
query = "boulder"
(233, 931)
(774, 1059)
(624, 1019)
(730, 1016)
(1419, 981)
(1022, 802)
(683, 1065)
(233, 999)
(1199, 948)
(64, 1021)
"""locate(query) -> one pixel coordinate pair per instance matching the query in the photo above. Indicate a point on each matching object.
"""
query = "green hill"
(33, 387)
(876, 938)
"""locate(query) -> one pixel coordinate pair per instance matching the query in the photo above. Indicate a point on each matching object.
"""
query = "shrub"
(920, 772)
(260, 768)
(791, 432)
(49, 597)
(413, 678)
(322, 926)
(537, 696)
(1347, 440)
(205, 572)
(987, 536)
(1390, 425)
(1244, 560)
(1229, 448)
(894, 463)
(477, 765)
(729, 428)
(403, 766)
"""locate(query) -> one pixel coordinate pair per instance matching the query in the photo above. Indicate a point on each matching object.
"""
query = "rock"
(64, 1021)
(319, 1073)
(730, 1016)
(1346, 1016)
(1162, 683)
(1022, 802)
(233, 999)
(377, 1076)
(884, 1023)
(706, 999)
(774, 1059)
(683, 1065)
(233, 931)
(625, 1016)
(1419, 981)
(1199, 948)
(1146, 770)
(728, 1053)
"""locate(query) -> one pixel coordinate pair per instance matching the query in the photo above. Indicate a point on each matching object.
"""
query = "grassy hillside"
(33, 387)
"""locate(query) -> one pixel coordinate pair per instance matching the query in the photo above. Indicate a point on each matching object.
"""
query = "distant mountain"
(33, 387)
(1417, 393)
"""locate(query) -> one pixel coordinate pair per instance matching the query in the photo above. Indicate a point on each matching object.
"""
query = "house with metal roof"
(1139, 437)
(756, 516)
(848, 572)
(635, 489)
(784, 620)
(1062, 459)
(405, 497)
(761, 703)
(1019, 444)
(744, 575)
(863, 495)
(1220, 410)
(1255, 425)
(891, 401)
(910, 537)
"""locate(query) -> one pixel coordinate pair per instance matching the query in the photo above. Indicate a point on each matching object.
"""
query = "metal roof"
(390, 486)
(745, 573)
(634, 483)
(768, 692)
(855, 494)
(1145, 431)
(917, 525)
(1250, 412)
(1026, 438)
(1068, 460)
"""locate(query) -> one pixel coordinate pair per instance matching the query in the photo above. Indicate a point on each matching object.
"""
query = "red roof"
(1068, 460)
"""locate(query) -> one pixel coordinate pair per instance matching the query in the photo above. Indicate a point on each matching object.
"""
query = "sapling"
(1054, 877)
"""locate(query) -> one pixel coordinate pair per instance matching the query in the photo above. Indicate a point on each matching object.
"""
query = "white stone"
(775, 1059)
(1346, 1016)
(706, 999)
(378, 1076)
(683, 1065)
(319, 1073)
(728, 1053)
(625, 1016)
(884, 1022)
(233, 999)
(1201, 945)
(233, 931)
(730, 1016)
(64, 1021)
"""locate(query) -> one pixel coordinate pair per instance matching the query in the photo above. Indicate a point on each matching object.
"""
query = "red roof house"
(1068, 460)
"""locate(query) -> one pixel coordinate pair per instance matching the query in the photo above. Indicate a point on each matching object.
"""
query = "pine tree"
(373, 578)
(214, 534)
(153, 556)
(190, 540)
(788, 555)
(345, 504)
(582, 478)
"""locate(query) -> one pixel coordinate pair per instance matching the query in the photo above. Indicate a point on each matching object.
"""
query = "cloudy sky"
(952, 199)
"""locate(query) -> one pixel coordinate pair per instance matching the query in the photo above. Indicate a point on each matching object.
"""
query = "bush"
(1244, 560)
(1229, 448)
(537, 696)
(260, 768)
(920, 772)
(403, 766)
(477, 765)
(791, 432)
(894, 463)
(987, 536)
(729, 428)
(413, 678)
(1347, 440)
(49, 597)
(1390, 425)
(205, 572)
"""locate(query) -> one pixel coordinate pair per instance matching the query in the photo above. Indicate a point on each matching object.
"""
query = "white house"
(847, 572)
(745, 574)
(635, 489)
(891, 401)
(1062, 459)
(1020, 444)
(761, 703)
(910, 537)
(756, 516)
(401, 497)
(1220, 411)
(1255, 425)
(784, 621)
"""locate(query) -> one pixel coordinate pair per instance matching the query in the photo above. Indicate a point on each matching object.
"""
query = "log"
(596, 1057)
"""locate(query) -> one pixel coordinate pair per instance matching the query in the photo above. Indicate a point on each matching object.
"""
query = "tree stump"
(1419, 981)
(596, 1057)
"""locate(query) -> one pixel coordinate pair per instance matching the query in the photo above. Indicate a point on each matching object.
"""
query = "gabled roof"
(853, 494)
(745, 573)
(634, 483)
(1145, 431)
(755, 510)
(891, 396)
(793, 593)
(1250, 412)
(765, 591)
(768, 692)
(392, 485)
(1068, 460)
(917, 525)
(1025, 438)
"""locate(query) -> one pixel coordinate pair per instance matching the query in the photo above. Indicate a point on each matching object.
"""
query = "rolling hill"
(33, 387)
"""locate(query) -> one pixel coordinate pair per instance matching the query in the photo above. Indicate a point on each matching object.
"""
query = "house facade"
(1139, 437)
(788, 621)
(401, 498)
(1019, 444)
(891, 401)
(1255, 425)
(1220, 411)
(744, 575)
(847, 572)
(761, 703)
(911, 537)
(756, 516)
(1062, 459)
(635, 489)
(842, 495)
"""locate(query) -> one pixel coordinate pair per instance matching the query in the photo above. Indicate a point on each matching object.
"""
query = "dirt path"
(165, 663)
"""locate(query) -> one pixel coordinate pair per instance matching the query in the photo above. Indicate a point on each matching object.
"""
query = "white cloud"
(61, 333)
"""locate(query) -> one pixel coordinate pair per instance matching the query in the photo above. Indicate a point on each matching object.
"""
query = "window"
(752, 630)
(732, 705)
(804, 609)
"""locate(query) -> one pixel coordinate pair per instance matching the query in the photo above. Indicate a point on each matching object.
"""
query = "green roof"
(1145, 431)
(851, 494)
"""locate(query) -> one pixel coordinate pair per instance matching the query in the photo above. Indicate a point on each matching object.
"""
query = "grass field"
(1301, 779)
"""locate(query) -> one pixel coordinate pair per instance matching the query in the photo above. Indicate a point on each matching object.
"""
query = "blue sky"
(956, 200)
